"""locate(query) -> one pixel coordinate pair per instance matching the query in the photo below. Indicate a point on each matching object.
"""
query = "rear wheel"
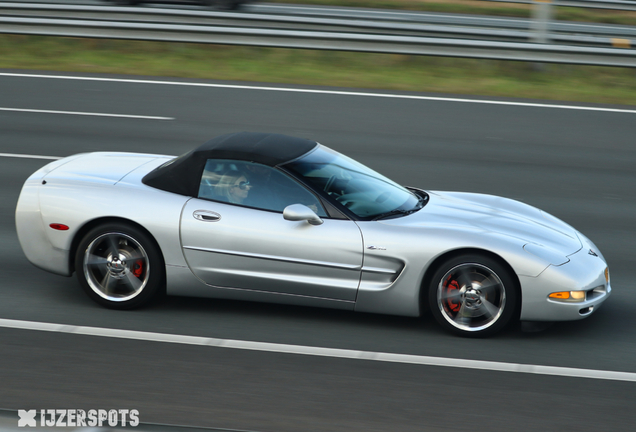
(473, 295)
(119, 266)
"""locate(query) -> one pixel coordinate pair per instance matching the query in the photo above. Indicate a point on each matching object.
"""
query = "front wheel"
(473, 295)
(119, 266)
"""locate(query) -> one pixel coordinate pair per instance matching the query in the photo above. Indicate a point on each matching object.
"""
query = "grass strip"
(323, 68)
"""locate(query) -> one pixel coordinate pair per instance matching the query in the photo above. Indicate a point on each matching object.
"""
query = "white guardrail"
(248, 34)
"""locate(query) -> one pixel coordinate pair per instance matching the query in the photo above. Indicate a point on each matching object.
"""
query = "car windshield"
(364, 192)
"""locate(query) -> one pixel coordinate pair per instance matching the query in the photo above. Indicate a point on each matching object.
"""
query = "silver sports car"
(267, 217)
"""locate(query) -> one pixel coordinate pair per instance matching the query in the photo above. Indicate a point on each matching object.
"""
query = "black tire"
(128, 279)
(473, 295)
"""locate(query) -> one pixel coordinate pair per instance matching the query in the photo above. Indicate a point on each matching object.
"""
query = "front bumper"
(584, 272)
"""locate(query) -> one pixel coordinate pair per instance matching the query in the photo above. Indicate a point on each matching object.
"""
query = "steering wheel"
(348, 200)
(330, 183)
(354, 204)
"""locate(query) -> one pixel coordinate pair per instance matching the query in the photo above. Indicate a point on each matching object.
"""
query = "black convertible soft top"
(183, 174)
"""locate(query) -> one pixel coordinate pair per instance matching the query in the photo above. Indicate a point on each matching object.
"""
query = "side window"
(254, 185)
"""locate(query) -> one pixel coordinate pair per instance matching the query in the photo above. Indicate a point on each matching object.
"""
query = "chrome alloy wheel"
(471, 297)
(116, 266)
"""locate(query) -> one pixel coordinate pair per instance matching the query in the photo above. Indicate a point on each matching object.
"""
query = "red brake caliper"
(451, 304)
(138, 268)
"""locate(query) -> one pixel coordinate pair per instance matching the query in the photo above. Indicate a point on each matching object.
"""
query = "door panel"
(232, 246)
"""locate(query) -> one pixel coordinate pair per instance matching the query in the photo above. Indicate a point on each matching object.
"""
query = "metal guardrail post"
(541, 17)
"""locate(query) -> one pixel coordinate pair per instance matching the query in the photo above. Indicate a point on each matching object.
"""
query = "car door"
(249, 245)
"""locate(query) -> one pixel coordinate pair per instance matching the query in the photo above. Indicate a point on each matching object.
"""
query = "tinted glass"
(361, 190)
(254, 185)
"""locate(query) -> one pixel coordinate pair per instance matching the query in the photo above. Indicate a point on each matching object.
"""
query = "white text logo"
(78, 418)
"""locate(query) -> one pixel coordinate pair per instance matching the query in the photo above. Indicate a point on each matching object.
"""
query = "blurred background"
(564, 50)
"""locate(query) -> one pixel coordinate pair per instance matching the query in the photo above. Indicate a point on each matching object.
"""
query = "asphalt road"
(575, 164)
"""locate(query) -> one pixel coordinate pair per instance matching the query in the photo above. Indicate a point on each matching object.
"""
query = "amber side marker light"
(58, 226)
(573, 296)
(607, 274)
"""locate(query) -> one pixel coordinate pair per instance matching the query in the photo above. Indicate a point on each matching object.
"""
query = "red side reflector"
(60, 227)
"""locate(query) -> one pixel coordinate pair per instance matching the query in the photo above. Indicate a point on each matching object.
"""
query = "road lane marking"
(327, 92)
(80, 113)
(26, 156)
(320, 352)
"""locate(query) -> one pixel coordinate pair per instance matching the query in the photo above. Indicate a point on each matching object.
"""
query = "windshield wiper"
(396, 212)
(401, 212)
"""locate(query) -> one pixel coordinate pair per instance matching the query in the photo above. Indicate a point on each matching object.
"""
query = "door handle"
(206, 216)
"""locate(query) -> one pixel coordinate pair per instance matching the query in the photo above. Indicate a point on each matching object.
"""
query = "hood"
(99, 167)
(495, 214)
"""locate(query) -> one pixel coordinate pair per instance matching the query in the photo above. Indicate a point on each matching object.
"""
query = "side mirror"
(299, 212)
